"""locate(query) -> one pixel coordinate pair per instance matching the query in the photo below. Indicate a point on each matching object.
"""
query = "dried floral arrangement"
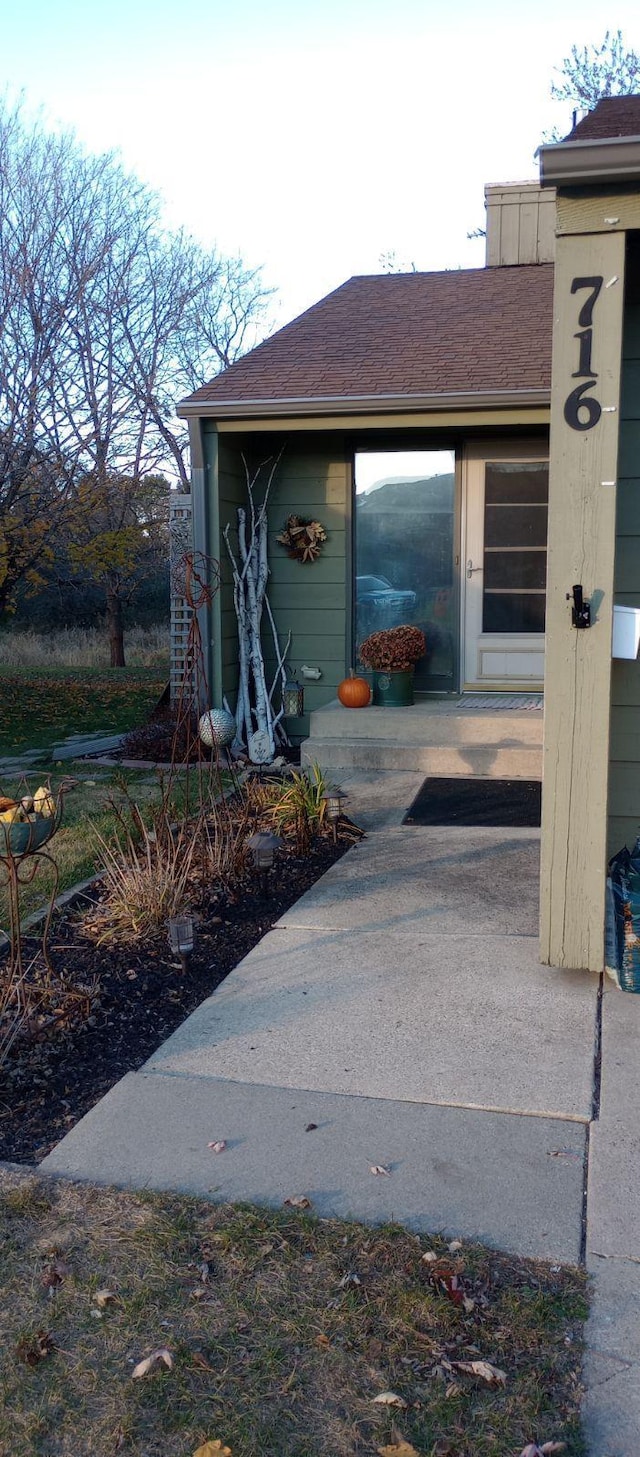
(393, 649)
(303, 539)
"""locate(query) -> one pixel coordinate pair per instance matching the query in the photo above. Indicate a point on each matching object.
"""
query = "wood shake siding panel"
(624, 772)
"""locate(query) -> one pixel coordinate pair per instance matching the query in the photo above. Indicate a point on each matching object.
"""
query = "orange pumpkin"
(354, 692)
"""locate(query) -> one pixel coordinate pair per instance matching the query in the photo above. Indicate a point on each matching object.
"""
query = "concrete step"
(440, 736)
(440, 723)
(469, 761)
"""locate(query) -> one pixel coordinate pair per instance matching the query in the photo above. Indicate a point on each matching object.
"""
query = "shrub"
(393, 649)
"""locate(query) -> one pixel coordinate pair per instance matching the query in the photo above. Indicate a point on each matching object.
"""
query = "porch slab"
(436, 880)
(481, 1175)
(439, 722)
(464, 1020)
(435, 736)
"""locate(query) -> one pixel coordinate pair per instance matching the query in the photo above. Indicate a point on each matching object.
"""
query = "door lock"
(471, 569)
(580, 610)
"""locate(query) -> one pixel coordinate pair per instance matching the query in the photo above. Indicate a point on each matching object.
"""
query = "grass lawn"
(40, 706)
(280, 1329)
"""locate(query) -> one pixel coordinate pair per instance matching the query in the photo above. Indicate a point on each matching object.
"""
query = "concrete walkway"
(400, 1008)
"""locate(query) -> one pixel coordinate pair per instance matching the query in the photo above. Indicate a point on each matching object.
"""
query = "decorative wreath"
(303, 539)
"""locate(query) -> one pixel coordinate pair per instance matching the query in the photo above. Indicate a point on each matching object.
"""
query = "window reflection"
(404, 515)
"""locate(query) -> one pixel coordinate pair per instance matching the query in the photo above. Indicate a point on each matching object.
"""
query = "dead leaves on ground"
(447, 1276)
(390, 1398)
(102, 1298)
(161, 1357)
(54, 1275)
(213, 1449)
(297, 1201)
(398, 1448)
(31, 1350)
(544, 1451)
(483, 1369)
(219, 1146)
(380, 1170)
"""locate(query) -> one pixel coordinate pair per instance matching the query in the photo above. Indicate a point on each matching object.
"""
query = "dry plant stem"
(20, 997)
(146, 882)
(279, 675)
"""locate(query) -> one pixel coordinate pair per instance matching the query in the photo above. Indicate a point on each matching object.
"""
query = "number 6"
(579, 401)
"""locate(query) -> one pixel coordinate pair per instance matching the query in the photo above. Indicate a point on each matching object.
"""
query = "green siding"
(624, 767)
(310, 600)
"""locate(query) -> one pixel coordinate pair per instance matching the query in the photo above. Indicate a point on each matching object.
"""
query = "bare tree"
(197, 311)
(37, 298)
(105, 321)
(591, 72)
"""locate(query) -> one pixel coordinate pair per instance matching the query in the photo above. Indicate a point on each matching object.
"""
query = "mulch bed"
(139, 995)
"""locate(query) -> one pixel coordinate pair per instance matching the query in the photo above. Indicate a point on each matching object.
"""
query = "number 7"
(585, 317)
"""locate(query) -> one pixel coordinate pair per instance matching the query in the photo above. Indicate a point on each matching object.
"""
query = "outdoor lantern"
(334, 799)
(263, 846)
(182, 938)
(293, 698)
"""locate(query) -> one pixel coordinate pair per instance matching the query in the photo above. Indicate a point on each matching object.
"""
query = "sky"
(313, 137)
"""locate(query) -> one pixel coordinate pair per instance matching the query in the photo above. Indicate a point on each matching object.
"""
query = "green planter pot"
(393, 690)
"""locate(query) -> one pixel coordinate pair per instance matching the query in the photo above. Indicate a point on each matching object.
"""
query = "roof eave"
(319, 406)
(599, 160)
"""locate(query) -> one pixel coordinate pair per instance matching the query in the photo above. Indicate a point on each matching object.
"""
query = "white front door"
(504, 565)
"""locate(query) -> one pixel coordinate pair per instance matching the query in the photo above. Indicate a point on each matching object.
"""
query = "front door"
(504, 565)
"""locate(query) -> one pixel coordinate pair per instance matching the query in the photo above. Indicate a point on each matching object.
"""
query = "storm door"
(505, 566)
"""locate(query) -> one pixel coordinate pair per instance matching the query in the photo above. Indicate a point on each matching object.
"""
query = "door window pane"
(516, 569)
(513, 612)
(515, 525)
(515, 542)
(525, 482)
(404, 518)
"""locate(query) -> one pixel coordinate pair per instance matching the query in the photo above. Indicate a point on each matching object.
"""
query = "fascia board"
(351, 404)
(605, 159)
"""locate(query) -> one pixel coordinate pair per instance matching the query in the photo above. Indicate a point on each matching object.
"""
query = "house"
(469, 441)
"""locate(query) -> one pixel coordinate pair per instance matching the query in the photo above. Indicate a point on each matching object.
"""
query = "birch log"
(255, 710)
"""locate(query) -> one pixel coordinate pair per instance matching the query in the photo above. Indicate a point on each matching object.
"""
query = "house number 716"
(582, 410)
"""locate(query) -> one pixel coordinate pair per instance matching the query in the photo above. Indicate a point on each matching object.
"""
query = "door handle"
(471, 569)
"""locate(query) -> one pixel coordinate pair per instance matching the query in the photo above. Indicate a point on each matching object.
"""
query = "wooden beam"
(582, 512)
(204, 491)
(426, 420)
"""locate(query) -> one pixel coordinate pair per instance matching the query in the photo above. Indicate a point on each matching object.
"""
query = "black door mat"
(492, 802)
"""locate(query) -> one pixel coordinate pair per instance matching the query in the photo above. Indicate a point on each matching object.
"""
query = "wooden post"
(587, 345)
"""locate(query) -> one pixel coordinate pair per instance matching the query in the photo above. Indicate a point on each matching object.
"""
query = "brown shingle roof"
(614, 116)
(404, 334)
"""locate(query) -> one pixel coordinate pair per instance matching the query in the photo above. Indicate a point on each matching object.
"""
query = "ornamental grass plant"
(393, 649)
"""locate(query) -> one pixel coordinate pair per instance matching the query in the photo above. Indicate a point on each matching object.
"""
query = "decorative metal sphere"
(217, 728)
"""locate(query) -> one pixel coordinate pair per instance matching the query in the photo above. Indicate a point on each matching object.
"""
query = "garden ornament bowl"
(21, 837)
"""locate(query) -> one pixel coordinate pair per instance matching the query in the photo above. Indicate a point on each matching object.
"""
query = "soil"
(130, 999)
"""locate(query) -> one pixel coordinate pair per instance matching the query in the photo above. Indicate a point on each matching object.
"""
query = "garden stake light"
(263, 846)
(182, 938)
(334, 799)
